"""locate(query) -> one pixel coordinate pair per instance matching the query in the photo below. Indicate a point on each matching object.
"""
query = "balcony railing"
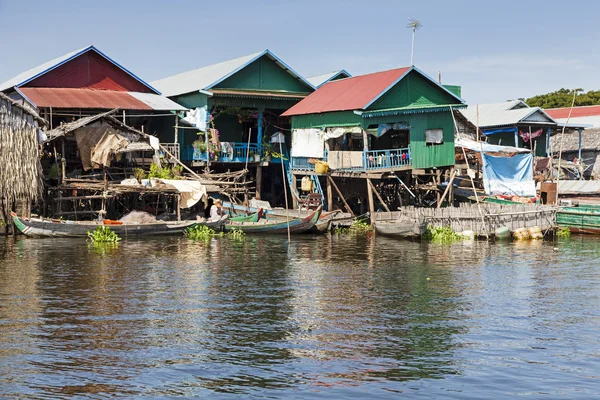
(172, 148)
(230, 152)
(357, 161)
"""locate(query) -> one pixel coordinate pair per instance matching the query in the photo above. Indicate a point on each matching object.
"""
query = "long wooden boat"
(395, 224)
(43, 227)
(296, 225)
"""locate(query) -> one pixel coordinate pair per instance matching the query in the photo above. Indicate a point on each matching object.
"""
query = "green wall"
(426, 156)
(413, 90)
(264, 74)
(338, 118)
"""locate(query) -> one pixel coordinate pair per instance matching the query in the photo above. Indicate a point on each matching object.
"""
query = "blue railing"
(236, 152)
(371, 160)
(386, 159)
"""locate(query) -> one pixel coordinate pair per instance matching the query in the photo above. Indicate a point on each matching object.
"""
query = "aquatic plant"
(201, 232)
(563, 232)
(357, 228)
(442, 235)
(103, 234)
(236, 234)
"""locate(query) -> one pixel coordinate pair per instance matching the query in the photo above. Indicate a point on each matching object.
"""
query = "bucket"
(321, 167)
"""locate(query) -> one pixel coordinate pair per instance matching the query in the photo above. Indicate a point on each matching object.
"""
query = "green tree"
(563, 98)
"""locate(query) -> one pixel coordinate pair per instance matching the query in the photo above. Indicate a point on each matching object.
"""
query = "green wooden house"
(396, 120)
(242, 99)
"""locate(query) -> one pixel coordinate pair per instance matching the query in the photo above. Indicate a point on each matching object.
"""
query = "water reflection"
(330, 314)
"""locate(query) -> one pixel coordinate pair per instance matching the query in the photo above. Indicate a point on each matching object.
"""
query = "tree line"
(563, 98)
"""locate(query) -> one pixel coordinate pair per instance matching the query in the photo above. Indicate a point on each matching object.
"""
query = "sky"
(495, 50)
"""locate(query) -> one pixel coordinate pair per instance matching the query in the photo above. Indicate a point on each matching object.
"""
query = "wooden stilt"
(371, 202)
(340, 194)
(329, 196)
(178, 197)
(448, 188)
(378, 196)
(258, 181)
(294, 191)
(438, 181)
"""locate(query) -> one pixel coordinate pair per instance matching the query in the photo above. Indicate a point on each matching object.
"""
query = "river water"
(325, 317)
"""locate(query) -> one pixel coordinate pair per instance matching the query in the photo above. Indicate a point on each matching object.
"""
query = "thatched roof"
(590, 140)
(21, 176)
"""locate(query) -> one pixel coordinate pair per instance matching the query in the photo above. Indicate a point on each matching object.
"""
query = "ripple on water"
(327, 316)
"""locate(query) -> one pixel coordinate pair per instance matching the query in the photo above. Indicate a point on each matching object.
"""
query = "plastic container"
(306, 184)
(321, 167)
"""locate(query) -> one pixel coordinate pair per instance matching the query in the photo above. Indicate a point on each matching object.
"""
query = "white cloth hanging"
(307, 143)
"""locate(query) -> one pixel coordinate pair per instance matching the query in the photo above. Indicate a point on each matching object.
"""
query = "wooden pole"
(371, 202)
(452, 176)
(294, 190)
(378, 196)
(178, 207)
(341, 195)
(329, 196)
(562, 136)
(438, 181)
(177, 128)
(258, 181)
(63, 162)
(287, 214)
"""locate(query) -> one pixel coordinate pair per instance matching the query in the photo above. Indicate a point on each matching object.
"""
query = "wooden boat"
(580, 219)
(43, 227)
(297, 225)
(324, 222)
(395, 224)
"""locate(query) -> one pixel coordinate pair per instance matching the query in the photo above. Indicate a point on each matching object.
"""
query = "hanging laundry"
(527, 136)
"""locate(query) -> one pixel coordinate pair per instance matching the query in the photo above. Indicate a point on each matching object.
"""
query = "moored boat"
(43, 227)
(280, 225)
(395, 224)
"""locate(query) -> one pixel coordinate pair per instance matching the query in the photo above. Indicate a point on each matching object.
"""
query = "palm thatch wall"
(21, 176)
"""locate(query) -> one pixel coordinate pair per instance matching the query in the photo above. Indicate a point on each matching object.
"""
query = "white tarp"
(344, 159)
(334, 133)
(307, 143)
(191, 191)
(487, 148)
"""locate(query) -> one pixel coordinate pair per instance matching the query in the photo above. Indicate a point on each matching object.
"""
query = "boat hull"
(49, 228)
(580, 219)
(296, 225)
(400, 229)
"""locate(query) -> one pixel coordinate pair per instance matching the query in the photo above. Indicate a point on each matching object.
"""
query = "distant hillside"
(563, 98)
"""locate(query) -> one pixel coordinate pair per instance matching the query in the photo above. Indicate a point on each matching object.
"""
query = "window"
(434, 136)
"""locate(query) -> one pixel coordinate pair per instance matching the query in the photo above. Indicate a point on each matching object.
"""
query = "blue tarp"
(488, 132)
(511, 176)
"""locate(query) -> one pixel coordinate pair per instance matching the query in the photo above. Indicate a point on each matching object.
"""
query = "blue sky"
(494, 50)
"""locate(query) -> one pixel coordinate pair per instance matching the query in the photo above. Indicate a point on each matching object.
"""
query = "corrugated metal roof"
(158, 102)
(348, 94)
(97, 99)
(206, 77)
(506, 113)
(582, 111)
(320, 80)
(33, 73)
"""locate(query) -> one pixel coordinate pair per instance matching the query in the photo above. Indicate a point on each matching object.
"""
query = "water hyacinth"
(103, 234)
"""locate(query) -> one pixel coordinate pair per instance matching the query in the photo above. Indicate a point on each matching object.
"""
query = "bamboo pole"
(562, 137)
(371, 202)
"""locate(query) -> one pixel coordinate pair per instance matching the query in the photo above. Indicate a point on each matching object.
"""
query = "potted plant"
(270, 152)
(200, 145)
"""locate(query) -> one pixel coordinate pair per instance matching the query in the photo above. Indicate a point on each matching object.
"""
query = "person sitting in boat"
(216, 211)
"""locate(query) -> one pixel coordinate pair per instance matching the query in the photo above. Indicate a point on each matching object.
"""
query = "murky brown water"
(335, 317)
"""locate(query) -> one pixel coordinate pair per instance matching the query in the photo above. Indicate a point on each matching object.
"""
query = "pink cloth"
(526, 136)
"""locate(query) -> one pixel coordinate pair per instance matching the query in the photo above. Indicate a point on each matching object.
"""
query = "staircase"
(316, 184)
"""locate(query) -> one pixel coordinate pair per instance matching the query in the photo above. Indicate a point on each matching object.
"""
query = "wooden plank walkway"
(468, 217)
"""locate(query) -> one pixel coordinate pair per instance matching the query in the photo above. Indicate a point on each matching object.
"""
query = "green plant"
(268, 150)
(54, 172)
(563, 232)
(103, 234)
(236, 234)
(157, 171)
(139, 174)
(201, 232)
(176, 171)
(200, 145)
(442, 235)
(357, 228)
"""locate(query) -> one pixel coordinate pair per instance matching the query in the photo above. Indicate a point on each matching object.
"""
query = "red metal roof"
(347, 94)
(583, 111)
(82, 98)
(89, 70)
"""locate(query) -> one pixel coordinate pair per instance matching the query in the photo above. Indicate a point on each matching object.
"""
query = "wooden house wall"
(264, 74)
(323, 120)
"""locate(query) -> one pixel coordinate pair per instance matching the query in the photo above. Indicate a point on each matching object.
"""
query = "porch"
(357, 161)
